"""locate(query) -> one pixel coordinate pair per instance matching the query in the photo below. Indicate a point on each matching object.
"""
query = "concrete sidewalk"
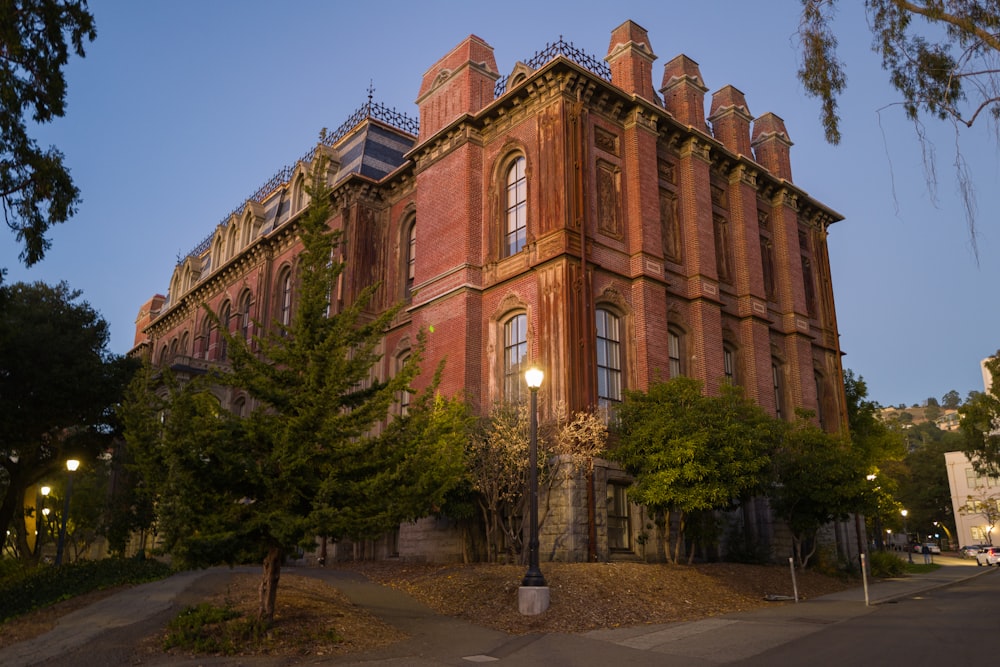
(100, 634)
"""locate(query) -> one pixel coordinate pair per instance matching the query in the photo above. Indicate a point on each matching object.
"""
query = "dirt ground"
(314, 618)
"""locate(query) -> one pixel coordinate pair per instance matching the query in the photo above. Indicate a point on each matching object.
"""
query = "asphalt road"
(946, 626)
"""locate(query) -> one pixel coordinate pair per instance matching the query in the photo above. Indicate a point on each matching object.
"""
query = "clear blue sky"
(181, 109)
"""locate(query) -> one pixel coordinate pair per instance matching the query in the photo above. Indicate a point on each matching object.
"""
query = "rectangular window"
(728, 365)
(674, 352)
(619, 525)
(609, 361)
(778, 391)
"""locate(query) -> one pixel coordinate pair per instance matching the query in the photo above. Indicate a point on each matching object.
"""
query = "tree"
(35, 186)
(951, 400)
(979, 419)
(878, 447)
(689, 452)
(941, 56)
(818, 477)
(318, 454)
(58, 387)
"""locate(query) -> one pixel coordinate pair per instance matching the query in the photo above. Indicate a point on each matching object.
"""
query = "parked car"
(971, 550)
(919, 548)
(988, 556)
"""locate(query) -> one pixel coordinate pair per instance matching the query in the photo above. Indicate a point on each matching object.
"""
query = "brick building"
(569, 214)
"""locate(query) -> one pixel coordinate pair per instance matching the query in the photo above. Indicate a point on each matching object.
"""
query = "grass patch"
(23, 590)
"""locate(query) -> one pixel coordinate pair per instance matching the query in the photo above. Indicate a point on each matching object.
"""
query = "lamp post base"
(532, 600)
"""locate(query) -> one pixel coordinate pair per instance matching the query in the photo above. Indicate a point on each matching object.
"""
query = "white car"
(919, 548)
(988, 556)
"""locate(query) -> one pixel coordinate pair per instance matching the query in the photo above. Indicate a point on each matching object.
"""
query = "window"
(516, 209)
(240, 407)
(515, 350)
(411, 258)
(779, 389)
(403, 398)
(245, 321)
(810, 286)
(722, 251)
(767, 264)
(206, 337)
(820, 395)
(225, 319)
(609, 361)
(285, 298)
(674, 350)
(619, 525)
(729, 363)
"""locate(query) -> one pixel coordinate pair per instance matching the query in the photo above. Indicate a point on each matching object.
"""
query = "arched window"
(515, 351)
(245, 321)
(240, 407)
(185, 343)
(516, 210)
(411, 258)
(609, 359)
(403, 398)
(163, 356)
(285, 297)
(675, 352)
(173, 350)
(225, 319)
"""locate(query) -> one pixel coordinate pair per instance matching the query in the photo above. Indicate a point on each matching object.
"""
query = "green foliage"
(57, 389)
(319, 454)
(951, 400)
(37, 587)
(818, 478)
(980, 423)
(35, 186)
(885, 564)
(205, 628)
(693, 452)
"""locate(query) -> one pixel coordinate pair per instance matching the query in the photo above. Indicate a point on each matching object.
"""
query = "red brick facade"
(688, 229)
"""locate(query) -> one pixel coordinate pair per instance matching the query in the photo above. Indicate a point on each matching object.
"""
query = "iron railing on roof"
(370, 109)
(560, 48)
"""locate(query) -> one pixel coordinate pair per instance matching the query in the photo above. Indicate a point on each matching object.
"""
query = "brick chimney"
(460, 83)
(630, 58)
(684, 92)
(149, 312)
(730, 119)
(771, 145)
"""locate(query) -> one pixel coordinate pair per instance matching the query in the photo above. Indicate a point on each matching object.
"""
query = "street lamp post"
(533, 596)
(71, 466)
(41, 519)
(909, 547)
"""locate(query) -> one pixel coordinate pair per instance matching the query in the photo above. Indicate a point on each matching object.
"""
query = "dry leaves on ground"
(315, 618)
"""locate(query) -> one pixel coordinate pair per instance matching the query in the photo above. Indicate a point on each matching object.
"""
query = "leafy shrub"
(205, 628)
(24, 590)
(886, 564)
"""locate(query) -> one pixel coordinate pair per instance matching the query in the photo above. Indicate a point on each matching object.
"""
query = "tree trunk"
(269, 585)
(680, 536)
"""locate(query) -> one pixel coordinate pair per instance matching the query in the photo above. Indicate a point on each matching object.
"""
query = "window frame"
(608, 360)
(675, 352)
(515, 184)
(513, 384)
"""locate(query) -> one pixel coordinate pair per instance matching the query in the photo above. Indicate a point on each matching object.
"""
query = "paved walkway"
(103, 634)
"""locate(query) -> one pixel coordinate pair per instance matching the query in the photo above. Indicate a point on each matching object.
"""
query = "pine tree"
(318, 454)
